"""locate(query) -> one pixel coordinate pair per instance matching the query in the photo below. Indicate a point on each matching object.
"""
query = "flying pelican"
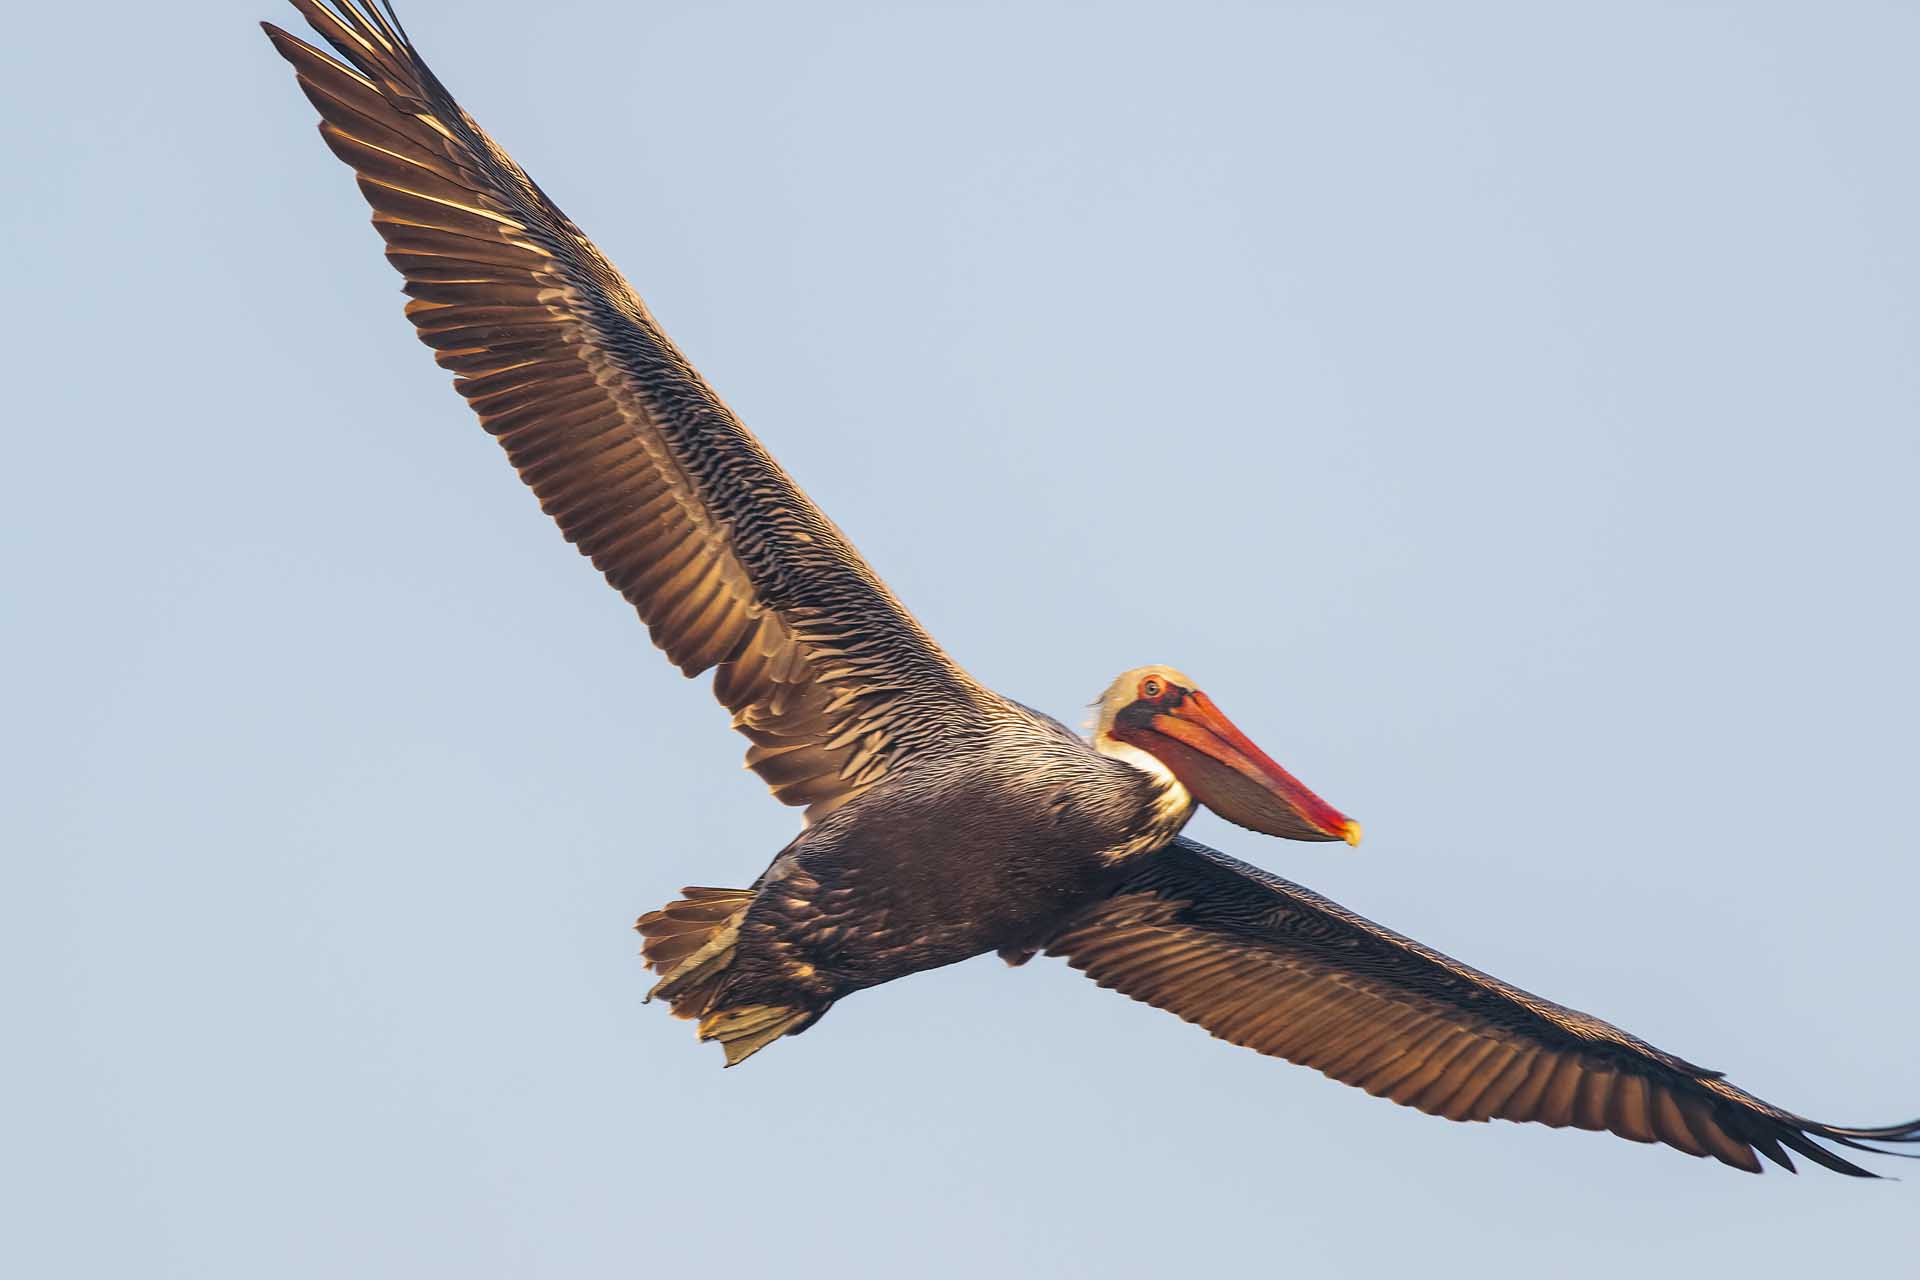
(943, 821)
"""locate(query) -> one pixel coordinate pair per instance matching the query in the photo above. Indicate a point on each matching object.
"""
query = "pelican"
(942, 820)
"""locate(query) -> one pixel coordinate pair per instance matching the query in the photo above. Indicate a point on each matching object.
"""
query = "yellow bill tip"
(1350, 832)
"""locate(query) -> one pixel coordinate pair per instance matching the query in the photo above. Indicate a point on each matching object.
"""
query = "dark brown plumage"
(1264, 963)
(943, 820)
(627, 448)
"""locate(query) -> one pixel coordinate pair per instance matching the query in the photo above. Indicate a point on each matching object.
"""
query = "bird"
(942, 821)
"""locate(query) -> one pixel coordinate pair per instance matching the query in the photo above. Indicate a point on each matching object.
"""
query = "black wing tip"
(281, 37)
(1806, 1138)
(1908, 1132)
(1863, 1139)
(1826, 1159)
(366, 16)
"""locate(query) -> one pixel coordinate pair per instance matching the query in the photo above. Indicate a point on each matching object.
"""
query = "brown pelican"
(942, 820)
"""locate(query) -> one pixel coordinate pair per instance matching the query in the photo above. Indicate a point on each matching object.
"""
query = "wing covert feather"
(1261, 962)
(643, 467)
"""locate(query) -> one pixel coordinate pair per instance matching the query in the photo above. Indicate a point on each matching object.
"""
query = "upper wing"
(643, 467)
(1264, 963)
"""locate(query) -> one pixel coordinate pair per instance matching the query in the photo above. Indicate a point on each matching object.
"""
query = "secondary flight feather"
(943, 820)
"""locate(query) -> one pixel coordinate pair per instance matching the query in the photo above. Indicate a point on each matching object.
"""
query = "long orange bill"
(1228, 774)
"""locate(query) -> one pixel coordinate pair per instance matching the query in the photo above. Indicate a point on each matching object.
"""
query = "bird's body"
(944, 820)
(992, 850)
(991, 853)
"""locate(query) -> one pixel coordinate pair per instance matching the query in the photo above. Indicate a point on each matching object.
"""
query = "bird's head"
(1156, 710)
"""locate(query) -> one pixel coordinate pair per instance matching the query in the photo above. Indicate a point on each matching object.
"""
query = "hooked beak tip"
(1350, 832)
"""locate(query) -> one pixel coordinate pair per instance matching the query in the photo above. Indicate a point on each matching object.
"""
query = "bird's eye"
(1153, 688)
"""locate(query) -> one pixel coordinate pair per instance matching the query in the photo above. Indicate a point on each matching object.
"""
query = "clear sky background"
(1542, 382)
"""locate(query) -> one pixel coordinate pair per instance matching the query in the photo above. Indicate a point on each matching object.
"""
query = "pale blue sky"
(1545, 379)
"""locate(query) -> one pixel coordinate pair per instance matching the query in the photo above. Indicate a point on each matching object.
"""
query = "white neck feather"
(1127, 753)
(1175, 801)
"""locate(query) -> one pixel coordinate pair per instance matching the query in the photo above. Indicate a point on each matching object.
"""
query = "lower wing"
(1264, 963)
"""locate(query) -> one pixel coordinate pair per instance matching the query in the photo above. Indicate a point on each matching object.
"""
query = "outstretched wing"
(1264, 963)
(628, 449)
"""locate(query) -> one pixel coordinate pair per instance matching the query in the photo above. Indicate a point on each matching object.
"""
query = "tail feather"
(681, 928)
(745, 1030)
(689, 943)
